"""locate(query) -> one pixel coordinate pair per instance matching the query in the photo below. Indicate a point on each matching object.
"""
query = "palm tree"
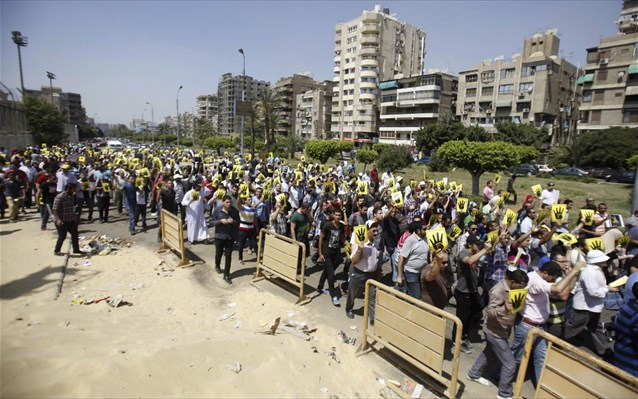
(268, 105)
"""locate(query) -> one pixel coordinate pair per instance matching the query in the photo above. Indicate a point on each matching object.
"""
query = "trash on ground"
(236, 367)
(345, 339)
(118, 301)
(273, 328)
(324, 390)
(238, 324)
(333, 355)
(137, 286)
(227, 316)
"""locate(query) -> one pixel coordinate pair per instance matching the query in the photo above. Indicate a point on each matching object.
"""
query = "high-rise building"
(371, 48)
(610, 80)
(207, 107)
(408, 104)
(313, 112)
(69, 104)
(229, 91)
(536, 87)
(288, 89)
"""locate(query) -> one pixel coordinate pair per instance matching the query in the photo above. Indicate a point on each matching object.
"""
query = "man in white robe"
(195, 204)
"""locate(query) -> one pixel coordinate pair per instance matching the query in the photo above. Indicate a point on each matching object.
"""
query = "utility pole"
(243, 95)
(51, 76)
(152, 123)
(177, 106)
(20, 41)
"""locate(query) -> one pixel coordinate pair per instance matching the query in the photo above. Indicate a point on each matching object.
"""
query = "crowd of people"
(509, 267)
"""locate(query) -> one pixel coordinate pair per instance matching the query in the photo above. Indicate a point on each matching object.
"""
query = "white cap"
(596, 256)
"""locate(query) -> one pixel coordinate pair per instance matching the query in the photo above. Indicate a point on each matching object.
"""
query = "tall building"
(229, 91)
(610, 80)
(372, 48)
(536, 87)
(207, 107)
(288, 89)
(408, 104)
(69, 104)
(313, 112)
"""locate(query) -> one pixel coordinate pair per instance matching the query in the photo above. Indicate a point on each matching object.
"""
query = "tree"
(321, 150)
(216, 143)
(344, 146)
(268, 106)
(479, 157)
(431, 137)
(632, 161)
(121, 131)
(395, 157)
(44, 121)
(292, 142)
(379, 147)
(367, 156)
(521, 134)
(204, 128)
(606, 148)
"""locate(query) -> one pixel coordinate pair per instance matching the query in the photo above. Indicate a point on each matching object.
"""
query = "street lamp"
(145, 109)
(20, 41)
(51, 76)
(243, 95)
(152, 123)
(177, 106)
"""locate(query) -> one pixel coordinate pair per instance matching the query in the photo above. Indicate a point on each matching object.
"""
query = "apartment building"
(610, 79)
(536, 87)
(313, 112)
(206, 107)
(288, 89)
(408, 104)
(371, 48)
(69, 104)
(229, 90)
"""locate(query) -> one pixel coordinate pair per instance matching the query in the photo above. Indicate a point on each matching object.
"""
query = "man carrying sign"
(364, 266)
(412, 259)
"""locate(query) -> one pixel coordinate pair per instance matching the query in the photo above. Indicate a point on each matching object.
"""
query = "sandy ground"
(176, 339)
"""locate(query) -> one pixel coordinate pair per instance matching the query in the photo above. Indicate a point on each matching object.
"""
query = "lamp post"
(243, 95)
(152, 123)
(51, 76)
(20, 41)
(177, 106)
(145, 109)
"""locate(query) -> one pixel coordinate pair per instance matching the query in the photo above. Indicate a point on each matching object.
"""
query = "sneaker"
(227, 279)
(218, 270)
(503, 397)
(335, 301)
(350, 314)
(58, 253)
(464, 348)
(480, 380)
(468, 343)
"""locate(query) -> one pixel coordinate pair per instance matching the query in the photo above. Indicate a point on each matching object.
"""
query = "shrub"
(395, 157)
(379, 147)
(367, 157)
(216, 143)
(321, 150)
(437, 164)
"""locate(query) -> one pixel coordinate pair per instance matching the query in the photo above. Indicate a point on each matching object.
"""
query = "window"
(471, 78)
(528, 71)
(470, 92)
(542, 67)
(595, 116)
(592, 57)
(505, 89)
(584, 116)
(523, 107)
(599, 95)
(630, 117)
(352, 28)
(487, 76)
(602, 76)
(603, 54)
(507, 73)
(487, 91)
(587, 95)
(525, 87)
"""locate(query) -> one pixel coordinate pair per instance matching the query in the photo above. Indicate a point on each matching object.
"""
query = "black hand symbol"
(597, 245)
(461, 204)
(397, 200)
(361, 235)
(506, 196)
(517, 300)
(588, 219)
(558, 214)
(510, 219)
(437, 242)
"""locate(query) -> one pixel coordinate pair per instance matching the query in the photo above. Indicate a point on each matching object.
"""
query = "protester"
(66, 219)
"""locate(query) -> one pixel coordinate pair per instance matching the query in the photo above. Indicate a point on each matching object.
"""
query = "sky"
(121, 54)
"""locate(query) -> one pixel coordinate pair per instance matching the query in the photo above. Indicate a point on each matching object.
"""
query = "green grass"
(616, 196)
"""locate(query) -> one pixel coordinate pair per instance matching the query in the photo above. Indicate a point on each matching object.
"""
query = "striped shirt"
(246, 218)
(625, 348)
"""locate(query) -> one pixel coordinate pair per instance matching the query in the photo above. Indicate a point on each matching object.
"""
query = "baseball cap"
(371, 223)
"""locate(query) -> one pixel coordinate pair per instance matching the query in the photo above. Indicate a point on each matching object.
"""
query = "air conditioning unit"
(488, 111)
(604, 60)
(525, 110)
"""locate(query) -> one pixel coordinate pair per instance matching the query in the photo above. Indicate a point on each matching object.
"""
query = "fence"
(173, 236)
(279, 256)
(414, 331)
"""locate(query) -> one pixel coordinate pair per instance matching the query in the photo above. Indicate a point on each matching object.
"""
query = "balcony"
(369, 39)
(367, 96)
(370, 74)
(369, 62)
(369, 51)
(370, 18)
(370, 28)
(428, 115)
(368, 85)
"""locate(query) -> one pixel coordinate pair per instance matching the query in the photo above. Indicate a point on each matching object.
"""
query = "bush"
(216, 143)
(367, 157)
(437, 164)
(379, 147)
(166, 138)
(395, 157)
(321, 150)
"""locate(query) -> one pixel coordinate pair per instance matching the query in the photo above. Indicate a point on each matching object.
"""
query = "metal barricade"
(414, 331)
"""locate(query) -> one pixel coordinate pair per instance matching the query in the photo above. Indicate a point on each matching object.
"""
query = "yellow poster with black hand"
(559, 213)
(440, 185)
(492, 237)
(281, 199)
(461, 205)
(220, 194)
(454, 233)
(362, 188)
(413, 183)
(587, 216)
(537, 189)
(244, 190)
(517, 298)
(360, 233)
(595, 243)
(497, 178)
(397, 199)
(565, 237)
(510, 218)
(437, 239)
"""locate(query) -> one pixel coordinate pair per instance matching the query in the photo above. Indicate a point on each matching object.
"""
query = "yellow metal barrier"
(412, 330)
(569, 372)
(278, 256)
(173, 236)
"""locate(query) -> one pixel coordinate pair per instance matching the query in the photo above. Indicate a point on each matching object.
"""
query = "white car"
(543, 168)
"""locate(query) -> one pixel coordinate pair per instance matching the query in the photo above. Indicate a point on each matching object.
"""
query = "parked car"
(423, 161)
(570, 172)
(627, 177)
(542, 168)
(524, 169)
(601, 173)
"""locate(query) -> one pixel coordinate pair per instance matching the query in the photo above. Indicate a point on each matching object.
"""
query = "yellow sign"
(389, 182)
(360, 233)
(362, 188)
(454, 186)
(157, 163)
(268, 184)
(505, 195)
(393, 189)
(510, 217)
(499, 202)
(440, 185)
(139, 181)
(566, 238)
(492, 237)
(559, 213)
(144, 172)
(455, 233)
(497, 178)
(587, 216)
(437, 239)
(413, 183)
(624, 241)
(298, 177)
(106, 187)
(461, 205)
(397, 199)
(244, 190)
(261, 177)
(537, 190)
(220, 194)
(270, 155)
(248, 157)
(595, 243)
(459, 188)
(329, 187)
(86, 185)
(195, 196)
(517, 298)
(322, 168)
(542, 216)
(81, 159)
(281, 199)
(303, 158)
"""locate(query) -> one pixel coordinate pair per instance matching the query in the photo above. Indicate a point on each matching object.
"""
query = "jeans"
(223, 248)
(67, 227)
(140, 210)
(329, 266)
(356, 285)
(131, 217)
(539, 348)
(394, 260)
(45, 214)
(411, 284)
(468, 307)
(241, 241)
(103, 204)
(497, 350)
